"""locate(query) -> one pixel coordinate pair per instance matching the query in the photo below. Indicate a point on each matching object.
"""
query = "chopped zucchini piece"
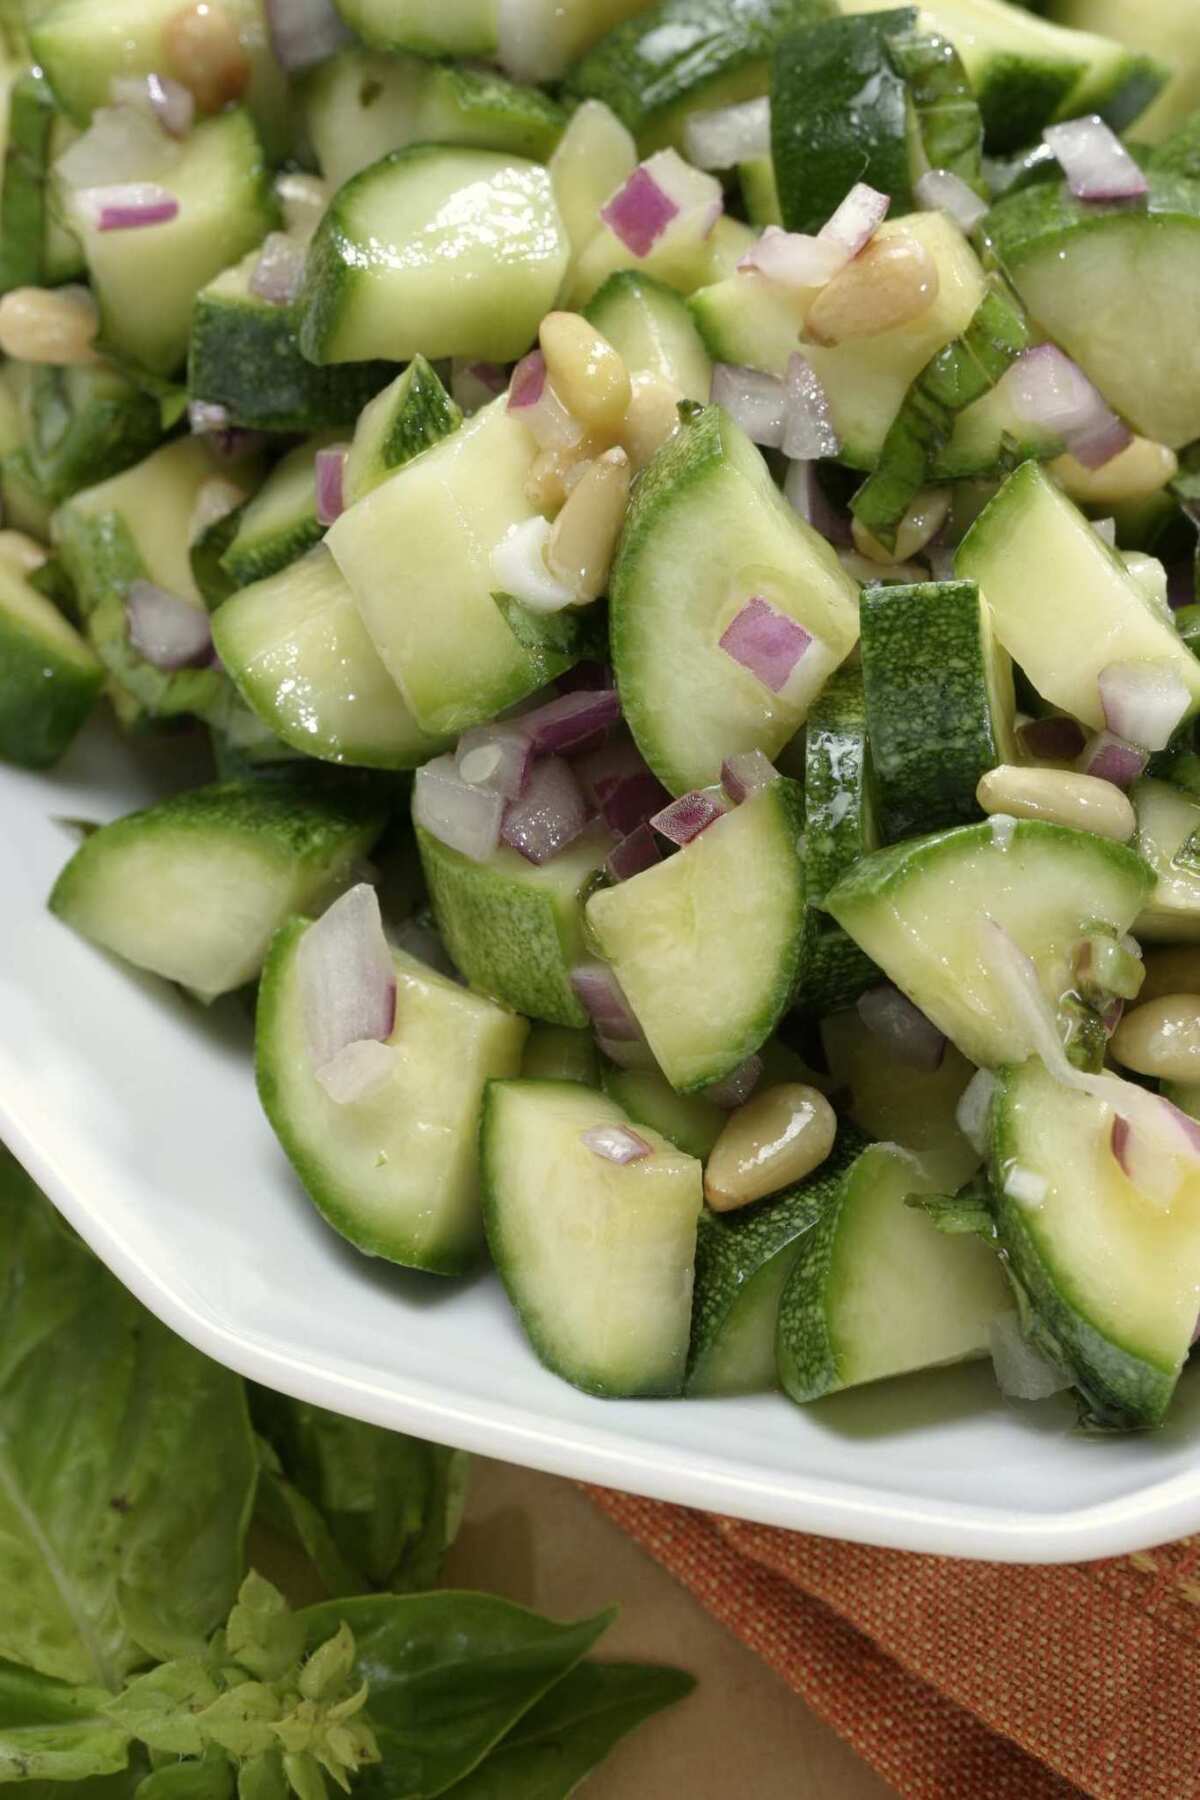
(691, 1122)
(413, 412)
(556, 1053)
(1166, 32)
(82, 423)
(840, 826)
(594, 157)
(1167, 821)
(49, 678)
(650, 325)
(280, 523)
(893, 1100)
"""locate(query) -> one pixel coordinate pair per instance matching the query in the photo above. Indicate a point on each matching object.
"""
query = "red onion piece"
(1111, 1015)
(329, 472)
(474, 384)
(635, 1054)
(793, 258)
(532, 397)
(304, 32)
(465, 817)
(736, 1087)
(278, 275)
(1095, 161)
(527, 383)
(495, 756)
(756, 402)
(167, 631)
(173, 105)
(687, 817)
(766, 642)
(892, 1017)
(1111, 758)
(567, 722)
(803, 491)
(640, 211)
(127, 206)
(1056, 739)
(634, 854)
(618, 780)
(585, 677)
(347, 977)
(357, 1072)
(725, 136)
(941, 190)
(746, 773)
(1143, 701)
(1048, 390)
(809, 432)
(599, 991)
(616, 1143)
(857, 219)
(549, 815)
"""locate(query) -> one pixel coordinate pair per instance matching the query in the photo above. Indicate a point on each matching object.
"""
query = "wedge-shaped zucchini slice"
(412, 413)
(597, 1256)
(280, 523)
(196, 887)
(895, 1101)
(921, 910)
(706, 532)
(840, 826)
(49, 678)
(397, 1171)
(1113, 1278)
(651, 327)
(1168, 836)
(877, 1290)
(707, 945)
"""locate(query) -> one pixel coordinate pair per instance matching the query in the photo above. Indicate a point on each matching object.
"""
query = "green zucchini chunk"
(413, 412)
(840, 826)
(49, 678)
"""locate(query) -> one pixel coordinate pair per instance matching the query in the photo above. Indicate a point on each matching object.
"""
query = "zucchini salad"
(678, 525)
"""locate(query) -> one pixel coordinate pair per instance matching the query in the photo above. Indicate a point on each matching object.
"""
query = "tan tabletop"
(742, 1736)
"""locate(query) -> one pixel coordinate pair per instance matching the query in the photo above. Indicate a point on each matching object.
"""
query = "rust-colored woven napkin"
(959, 1680)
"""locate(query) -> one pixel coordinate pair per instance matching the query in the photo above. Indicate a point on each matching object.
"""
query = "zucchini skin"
(839, 827)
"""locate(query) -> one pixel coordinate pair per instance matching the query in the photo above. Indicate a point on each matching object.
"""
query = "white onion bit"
(465, 817)
(941, 190)
(1022, 1372)
(1095, 161)
(348, 988)
(727, 135)
(1143, 701)
(755, 401)
(167, 631)
(519, 567)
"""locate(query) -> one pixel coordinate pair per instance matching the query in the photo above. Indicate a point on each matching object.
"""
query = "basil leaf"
(126, 1463)
(449, 1675)
(571, 1731)
(287, 1512)
(52, 1731)
(391, 1504)
(209, 1780)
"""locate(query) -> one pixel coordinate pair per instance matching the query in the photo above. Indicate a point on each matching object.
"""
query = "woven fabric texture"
(961, 1680)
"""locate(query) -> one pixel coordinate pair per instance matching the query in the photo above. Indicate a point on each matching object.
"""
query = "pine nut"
(1060, 797)
(584, 539)
(1141, 470)
(205, 53)
(920, 524)
(554, 473)
(781, 1135)
(585, 371)
(889, 284)
(1171, 971)
(20, 552)
(1161, 1038)
(49, 325)
(651, 417)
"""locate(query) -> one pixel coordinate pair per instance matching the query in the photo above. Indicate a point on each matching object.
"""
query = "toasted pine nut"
(22, 553)
(49, 325)
(1161, 1038)
(584, 539)
(205, 53)
(781, 1135)
(1171, 971)
(1140, 471)
(1060, 797)
(651, 417)
(555, 472)
(586, 373)
(922, 522)
(889, 284)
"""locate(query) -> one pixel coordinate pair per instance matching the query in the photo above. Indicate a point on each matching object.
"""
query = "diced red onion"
(1056, 739)
(347, 979)
(809, 432)
(549, 815)
(304, 32)
(622, 785)
(1022, 1372)
(495, 756)
(567, 722)
(1048, 390)
(330, 470)
(802, 489)
(528, 381)
(941, 190)
(736, 1087)
(519, 567)
(634, 854)
(857, 219)
(1143, 701)
(891, 1016)
(753, 400)
(1112, 758)
(766, 642)
(278, 275)
(167, 631)
(1111, 1015)
(1095, 161)
(746, 773)
(128, 206)
(640, 211)
(173, 105)
(357, 1071)
(599, 991)
(531, 396)
(687, 817)
(474, 384)
(793, 258)
(724, 136)
(616, 1143)
(465, 817)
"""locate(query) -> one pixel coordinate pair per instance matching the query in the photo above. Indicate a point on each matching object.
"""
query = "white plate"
(136, 1111)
